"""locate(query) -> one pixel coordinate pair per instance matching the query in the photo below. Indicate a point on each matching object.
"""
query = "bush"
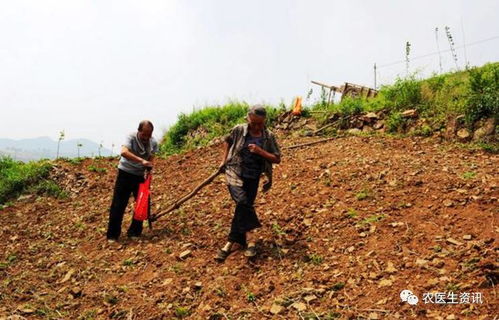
(483, 101)
(16, 177)
(403, 94)
(395, 122)
(202, 126)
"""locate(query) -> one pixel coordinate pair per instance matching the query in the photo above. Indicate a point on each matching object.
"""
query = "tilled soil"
(347, 226)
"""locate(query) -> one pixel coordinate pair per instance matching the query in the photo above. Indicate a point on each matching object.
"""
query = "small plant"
(128, 262)
(277, 229)
(220, 292)
(50, 188)
(469, 175)
(395, 122)
(372, 219)
(338, 286)
(88, 315)
(362, 195)
(250, 297)
(437, 248)
(177, 268)
(491, 148)
(96, 169)
(315, 258)
(351, 213)
(182, 312)
(111, 299)
(452, 287)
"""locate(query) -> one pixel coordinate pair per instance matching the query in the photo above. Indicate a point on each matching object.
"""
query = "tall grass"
(473, 93)
(203, 125)
(16, 177)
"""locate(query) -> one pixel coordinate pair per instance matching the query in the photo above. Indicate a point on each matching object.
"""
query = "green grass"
(203, 125)
(473, 93)
(18, 177)
(372, 219)
(96, 169)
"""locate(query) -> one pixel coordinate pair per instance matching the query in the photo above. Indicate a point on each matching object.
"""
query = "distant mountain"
(46, 148)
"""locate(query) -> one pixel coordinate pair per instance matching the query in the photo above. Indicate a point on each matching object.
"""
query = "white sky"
(95, 68)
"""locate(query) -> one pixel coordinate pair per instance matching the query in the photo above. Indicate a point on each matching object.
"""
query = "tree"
(79, 145)
(61, 137)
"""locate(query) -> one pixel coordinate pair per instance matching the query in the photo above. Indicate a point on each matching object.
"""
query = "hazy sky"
(95, 68)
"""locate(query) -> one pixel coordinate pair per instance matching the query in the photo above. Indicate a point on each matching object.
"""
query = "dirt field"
(348, 225)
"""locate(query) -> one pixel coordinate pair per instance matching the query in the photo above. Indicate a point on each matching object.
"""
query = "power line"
(435, 53)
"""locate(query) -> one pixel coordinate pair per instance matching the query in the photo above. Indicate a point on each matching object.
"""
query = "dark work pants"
(245, 218)
(126, 184)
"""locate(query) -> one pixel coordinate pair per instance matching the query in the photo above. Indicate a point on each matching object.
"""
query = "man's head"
(256, 117)
(145, 130)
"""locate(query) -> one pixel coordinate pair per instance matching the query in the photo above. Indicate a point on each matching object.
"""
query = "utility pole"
(375, 84)
(464, 45)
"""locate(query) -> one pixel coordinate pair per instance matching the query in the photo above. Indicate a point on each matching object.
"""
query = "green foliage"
(395, 122)
(363, 194)
(315, 258)
(483, 101)
(17, 177)
(403, 94)
(372, 219)
(50, 188)
(277, 229)
(352, 213)
(250, 296)
(96, 169)
(338, 286)
(201, 126)
(181, 312)
(73, 161)
(469, 175)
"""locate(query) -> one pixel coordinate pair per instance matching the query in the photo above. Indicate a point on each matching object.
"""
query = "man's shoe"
(222, 255)
(250, 252)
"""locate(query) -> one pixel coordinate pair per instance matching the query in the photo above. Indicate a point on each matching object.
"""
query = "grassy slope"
(473, 93)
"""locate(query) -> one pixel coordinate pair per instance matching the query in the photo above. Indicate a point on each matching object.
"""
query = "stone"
(379, 124)
(421, 262)
(76, 292)
(354, 131)
(411, 113)
(371, 115)
(454, 242)
(300, 306)
(448, 203)
(385, 283)
(463, 135)
(276, 309)
(467, 237)
(198, 285)
(185, 254)
(390, 268)
(487, 129)
(373, 316)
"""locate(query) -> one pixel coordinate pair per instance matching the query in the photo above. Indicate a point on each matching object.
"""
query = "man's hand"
(253, 148)
(222, 166)
(146, 163)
